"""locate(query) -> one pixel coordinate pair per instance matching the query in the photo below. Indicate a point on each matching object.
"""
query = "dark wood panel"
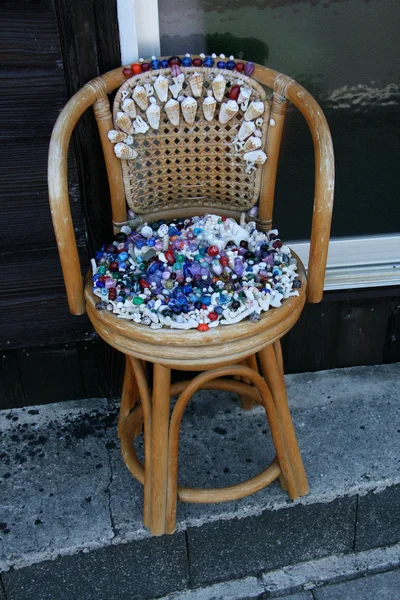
(11, 389)
(50, 374)
(91, 360)
(29, 36)
(392, 344)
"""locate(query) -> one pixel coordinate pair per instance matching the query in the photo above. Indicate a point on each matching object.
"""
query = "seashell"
(123, 121)
(128, 106)
(153, 114)
(247, 128)
(189, 108)
(161, 87)
(123, 151)
(244, 94)
(255, 110)
(196, 84)
(209, 106)
(228, 111)
(148, 89)
(116, 136)
(258, 157)
(177, 85)
(172, 109)
(140, 97)
(252, 143)
(140, 125)
(218, 86)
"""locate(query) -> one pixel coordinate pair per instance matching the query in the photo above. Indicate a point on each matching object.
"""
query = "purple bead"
(249, 69)
(239, 268)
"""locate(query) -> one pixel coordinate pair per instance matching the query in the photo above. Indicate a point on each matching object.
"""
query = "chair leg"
(271, 366)
(130, 394)
(159, 448)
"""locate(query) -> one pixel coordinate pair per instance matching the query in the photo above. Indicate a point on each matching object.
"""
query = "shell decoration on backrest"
(190, 132)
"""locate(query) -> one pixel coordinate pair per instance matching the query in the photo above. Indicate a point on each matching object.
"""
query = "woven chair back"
(190, 165)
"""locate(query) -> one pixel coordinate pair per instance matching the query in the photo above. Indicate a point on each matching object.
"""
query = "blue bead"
(206, 300)
(120, 299)
(95, 277)
(173, 231)
(140, 243)
(186, 61)
(208, 61)
(197, 230)
(185, 309)
(151, 242)
(98, 255)
(221, 64)
(198, 304)
(231, 65)
(104, 291)
(164, 64)
(192, 298)
(123, 256)
(150, 304)
(155, 64)
(181, 299)
(187, 289)
(218, 310)
(100, 284)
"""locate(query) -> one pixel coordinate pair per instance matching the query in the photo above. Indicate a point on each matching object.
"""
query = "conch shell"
(228, 111)
(189, 108)
(252, 143)
(161, 87)
(218, 86)
(209, 106)
(124, 122)
(246, 129)
(128, 106)
(140, 97)
(176, 87)
(256, 109)
(244, 96)
(172, 109)
(116, 136)
(258, 157)
(153, 114)
(140, 125)
(196, 84)
(123, 151)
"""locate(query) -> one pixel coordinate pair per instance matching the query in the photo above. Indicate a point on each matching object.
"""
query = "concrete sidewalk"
(66, 490)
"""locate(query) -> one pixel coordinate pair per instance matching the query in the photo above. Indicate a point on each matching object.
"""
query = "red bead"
(197, 62)
(174, 60)
(203, 327)
(213, 250)
(136, 68)
(223, 219)
(240, 67)
(169, 255)
(277, 244)
(224, 260)
(112, 294)
(212, 316)
(127, 72)
(234, 92)
(145, 67)
(113, 266)
(143, 283)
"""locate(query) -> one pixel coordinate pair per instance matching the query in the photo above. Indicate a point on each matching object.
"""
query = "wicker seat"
(181, 171)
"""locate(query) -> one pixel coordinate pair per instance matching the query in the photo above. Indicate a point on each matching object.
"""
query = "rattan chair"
(185, 171)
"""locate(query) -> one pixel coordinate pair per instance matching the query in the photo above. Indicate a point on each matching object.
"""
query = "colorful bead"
(234, 92)
(240, 67)
(186, 61)
(175, 70)
(208, 62)
(203, 327)
(230, 65)
(127, 72)
(145, 67)
(249, 69)
(221, 64)
(164, 63)
(197, 62)
(174, 60)
(154, 63)
(136, 68)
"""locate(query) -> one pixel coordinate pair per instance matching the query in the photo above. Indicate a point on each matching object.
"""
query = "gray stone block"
(145, 569)
(300, 596)
(232, 549)
(385, 586)
(378, 519)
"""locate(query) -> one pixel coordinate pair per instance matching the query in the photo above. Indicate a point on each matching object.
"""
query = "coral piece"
(140, 125)
(177, 86)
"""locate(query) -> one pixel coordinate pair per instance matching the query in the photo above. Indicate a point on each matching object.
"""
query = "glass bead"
(197, 62)
(102, 270)
(164, 63)
(208, 62)
(221, 64)
(186, 61)
(127, 72)
(231, 65)
(136, 68)
(174, 60)
(155, 64)
(145, 67)
(249, 69)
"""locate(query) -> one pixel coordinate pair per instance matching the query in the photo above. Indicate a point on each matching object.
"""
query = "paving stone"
(385, 586)
(378, 518)
(300, 596)
(235, 548)
(137, 571)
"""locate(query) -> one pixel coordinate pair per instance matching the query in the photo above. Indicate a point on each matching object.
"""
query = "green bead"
(169, 284)
(102, 270)
(137, 300)
(142, 267)
(117, 276)
(180, 258)
(198, 257)
(219, 221)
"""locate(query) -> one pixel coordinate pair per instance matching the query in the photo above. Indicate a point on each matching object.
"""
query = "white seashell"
(244, 97)
(258, 132)
(153, 114)
(177, 85)
(255, 110)
(140, 125)
(172, 109)
(258, 157)
(228, 111)
(161, 87)
(116, 136)
(259, 122)
(148, 89)
(129, 107)
(247, 128)
(218, 86)
(128, 140)
(124, 122)
(189, 108)
(252, 143)
(140, 97)
(196, 84)
(123, 151)
(209, 106)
